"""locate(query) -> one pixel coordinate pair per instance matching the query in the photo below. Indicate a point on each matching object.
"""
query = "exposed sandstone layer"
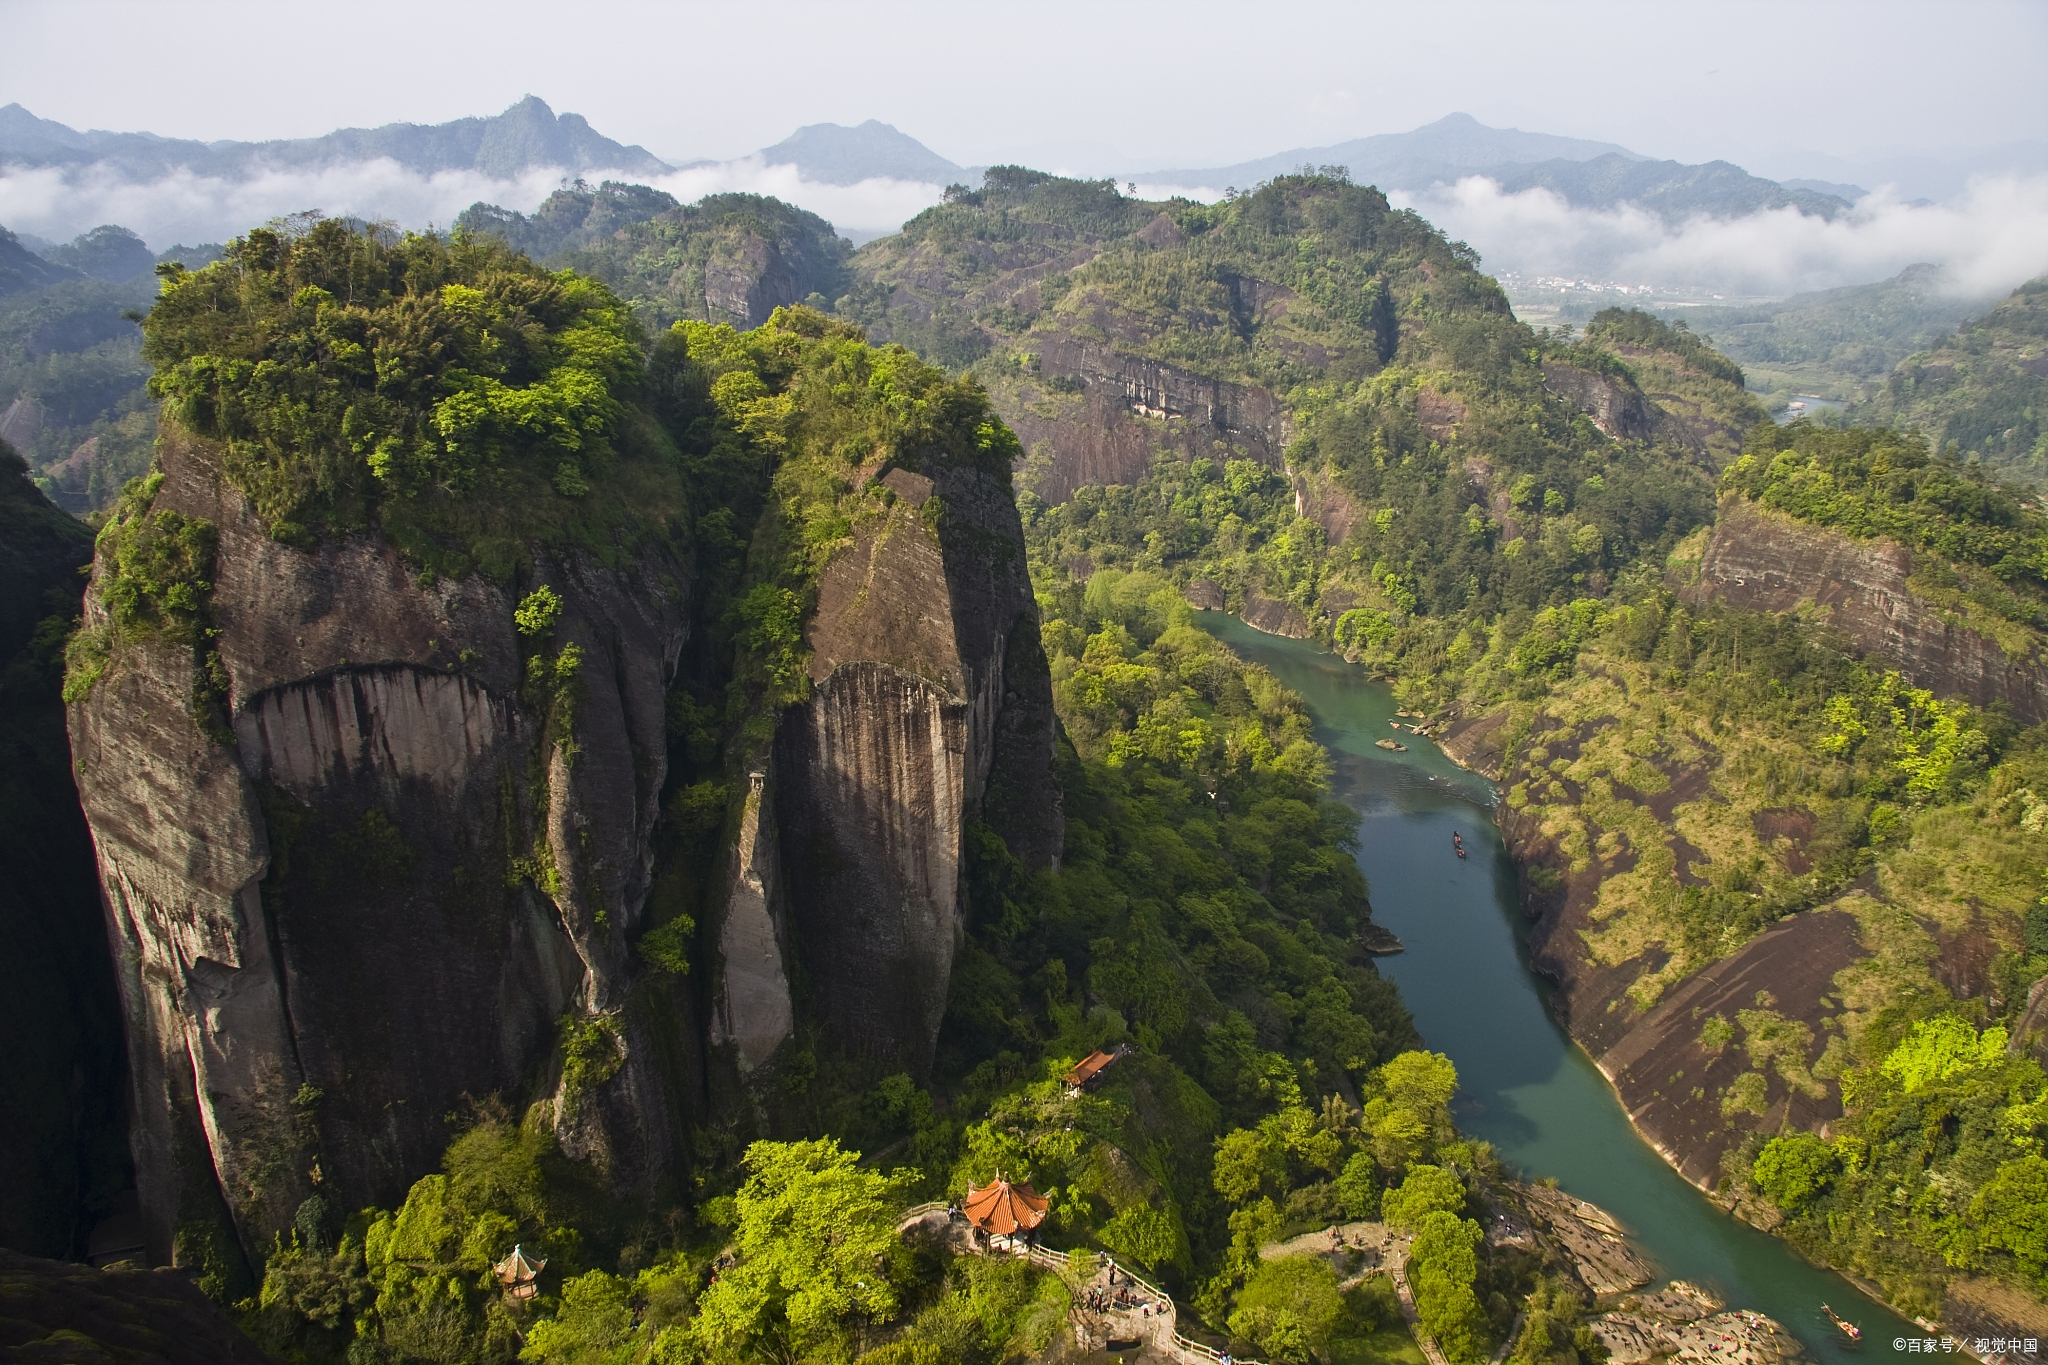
(1670, 1076)
(321, 941)
(1671, 1070)
(1616, 406)
(1319, 498)
(931, 709)
(1131, 408)
(1275, 618)
(1764, 561)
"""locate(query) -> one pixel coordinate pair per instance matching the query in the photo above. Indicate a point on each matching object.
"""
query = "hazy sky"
(1100, 85)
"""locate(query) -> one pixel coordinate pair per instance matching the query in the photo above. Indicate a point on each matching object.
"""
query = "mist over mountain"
(833, 154)
(1455, 145)
(1533, 204)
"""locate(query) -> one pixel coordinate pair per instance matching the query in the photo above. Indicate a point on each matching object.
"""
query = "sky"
(1901, 99)
(1105, 85)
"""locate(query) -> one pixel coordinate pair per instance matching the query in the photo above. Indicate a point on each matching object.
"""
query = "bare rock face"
(1130, 408)
(749, 279)
(1763, 561)
(931, 710)
(1794, 962)
(379, 887)
(1616, 406)
(1275, 618)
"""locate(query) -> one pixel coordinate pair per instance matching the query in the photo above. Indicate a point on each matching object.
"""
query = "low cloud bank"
(189, 208)
(1991, 239)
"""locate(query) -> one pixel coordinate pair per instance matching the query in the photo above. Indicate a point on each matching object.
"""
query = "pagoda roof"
(519, 1268)
(1093, 1065)
(1003, 1208)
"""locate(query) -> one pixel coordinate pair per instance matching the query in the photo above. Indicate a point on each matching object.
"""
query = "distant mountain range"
(1587, 174)
(524, 137)
(530, 136)
(1454, 146)
(833, 154)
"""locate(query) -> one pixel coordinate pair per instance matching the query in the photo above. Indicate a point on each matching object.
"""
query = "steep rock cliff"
(930, 710)
(1098, 416)
(1765, 561)
(1616, 405)
(375, 887)
(62, 1147)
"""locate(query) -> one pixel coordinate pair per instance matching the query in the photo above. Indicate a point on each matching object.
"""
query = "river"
(1525, 1086)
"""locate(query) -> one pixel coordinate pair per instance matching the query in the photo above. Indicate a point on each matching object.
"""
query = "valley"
(643, 733)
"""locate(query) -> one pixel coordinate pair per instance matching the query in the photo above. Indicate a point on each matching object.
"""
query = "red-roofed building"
(1088, 1072)
(1004, 1210)
(519, 1273)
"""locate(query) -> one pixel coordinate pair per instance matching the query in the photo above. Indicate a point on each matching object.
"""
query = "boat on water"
(1458, 842)
(1849, 1329)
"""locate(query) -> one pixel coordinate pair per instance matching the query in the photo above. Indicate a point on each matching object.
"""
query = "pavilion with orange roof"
(1001, 1209)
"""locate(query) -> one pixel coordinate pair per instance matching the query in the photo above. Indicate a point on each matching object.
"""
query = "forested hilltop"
(1585, 557)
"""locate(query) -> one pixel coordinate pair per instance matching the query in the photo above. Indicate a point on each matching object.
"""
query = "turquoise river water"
(1526, 1087)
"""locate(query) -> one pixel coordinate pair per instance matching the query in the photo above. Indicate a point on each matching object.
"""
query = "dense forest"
(1206, 919)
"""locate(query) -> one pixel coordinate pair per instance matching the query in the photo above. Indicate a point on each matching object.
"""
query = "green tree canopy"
(815, 1234)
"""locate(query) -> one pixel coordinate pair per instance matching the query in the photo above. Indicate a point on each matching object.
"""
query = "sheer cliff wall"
(930, 710)
(1764, 561)
(62, 1087)
(323, 937)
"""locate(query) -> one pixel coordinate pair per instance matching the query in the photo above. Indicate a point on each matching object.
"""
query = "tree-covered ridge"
(448, 392)
(1982, 549)
(1682, 374)
(1277, 287)
(1949, 1116)
(1272, 287)
(712, 261)
(1983, 389)
(1879, 483)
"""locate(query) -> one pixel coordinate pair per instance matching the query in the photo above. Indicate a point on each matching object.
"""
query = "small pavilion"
(1087, 1074)
(1001, 1210)
(520, 1273)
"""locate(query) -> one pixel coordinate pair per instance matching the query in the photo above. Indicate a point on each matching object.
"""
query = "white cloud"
(189, 208)
(1990, 239)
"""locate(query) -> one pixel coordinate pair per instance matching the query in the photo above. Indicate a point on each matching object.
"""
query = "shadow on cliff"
(63, 1148)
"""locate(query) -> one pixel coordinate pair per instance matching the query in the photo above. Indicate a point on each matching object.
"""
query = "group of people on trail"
(1117, 1296)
